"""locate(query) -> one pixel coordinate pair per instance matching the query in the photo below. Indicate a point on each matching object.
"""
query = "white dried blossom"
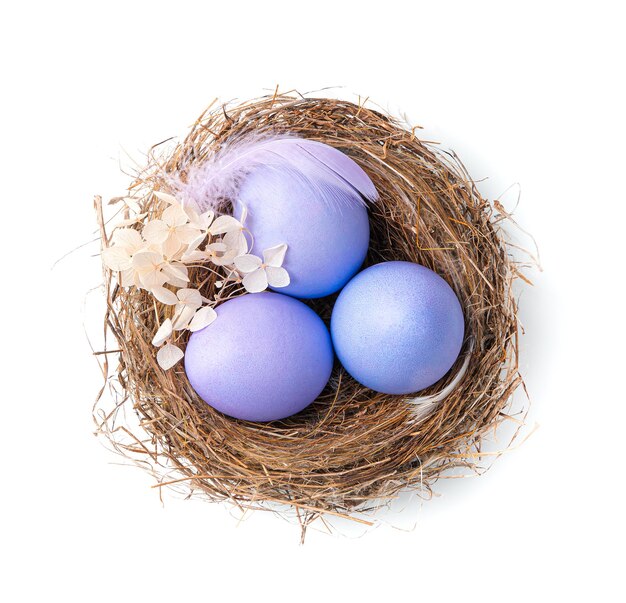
(154, 255)
(163, 333)
(172, 231)
(125, 242)
(233, 232)
(148, 266)
(202, 318)
(259, 274)
(200, 222)
(187, 301)
(169, 355)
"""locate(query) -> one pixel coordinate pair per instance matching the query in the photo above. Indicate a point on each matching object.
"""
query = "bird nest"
(352, 449)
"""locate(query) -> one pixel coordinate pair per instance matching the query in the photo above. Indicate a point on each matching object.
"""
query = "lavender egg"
(397, 327)
(266, 357)
(325, 227)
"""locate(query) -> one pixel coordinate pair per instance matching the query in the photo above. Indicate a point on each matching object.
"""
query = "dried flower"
(202, 318)
(163, 334)
(148, 266)
(261, 273)
(155, 258)
(169, 355)
(233, 231)
(187, 302)
(200, 222)
(125, 242)
(172, 232)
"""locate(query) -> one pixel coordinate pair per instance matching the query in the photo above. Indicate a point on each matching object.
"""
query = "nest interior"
(352, 449)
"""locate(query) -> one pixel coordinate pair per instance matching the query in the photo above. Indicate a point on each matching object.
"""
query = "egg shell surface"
(397, 327)
(327, 241)
(265, 357)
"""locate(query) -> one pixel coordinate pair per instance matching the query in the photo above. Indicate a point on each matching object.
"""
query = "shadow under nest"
(352, 449)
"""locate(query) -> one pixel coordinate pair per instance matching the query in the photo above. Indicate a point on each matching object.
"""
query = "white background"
(525, 92)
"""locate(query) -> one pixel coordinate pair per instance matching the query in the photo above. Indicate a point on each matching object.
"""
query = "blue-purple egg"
(327, 239)
(265, 357)
(397, 327)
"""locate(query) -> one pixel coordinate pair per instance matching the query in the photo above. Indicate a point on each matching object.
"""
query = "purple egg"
(397, 327)
(266, 357)
(327, 235)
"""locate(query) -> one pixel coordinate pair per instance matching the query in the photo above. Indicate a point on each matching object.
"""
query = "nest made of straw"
(352, 449)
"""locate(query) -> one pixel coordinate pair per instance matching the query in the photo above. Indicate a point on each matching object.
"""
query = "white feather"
(215, 182)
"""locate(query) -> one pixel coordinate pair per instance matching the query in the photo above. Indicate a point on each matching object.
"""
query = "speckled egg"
(265, 357)
(397, 327)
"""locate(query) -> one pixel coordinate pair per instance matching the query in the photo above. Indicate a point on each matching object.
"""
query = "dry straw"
(352, 449)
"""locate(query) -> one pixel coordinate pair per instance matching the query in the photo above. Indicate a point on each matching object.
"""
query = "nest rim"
(352, 450)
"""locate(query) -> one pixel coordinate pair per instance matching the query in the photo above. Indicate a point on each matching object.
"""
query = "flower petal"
(247, 262)
(277, 276)
(146, 260)
(168, 356)
(172, 247)
(187, 233)
(190, 297)
(128, 278)
(217, 247)
(193, 256)
(176, 272)
(237, 241)
(155, 231)
(223, 260)
(174, 216)
(165, 197)
(195, 243)
(164, 331)
(197, 220)
(224, 224)
(116, 258)
(182, 317)
(165, 296)
(256, 281)
(202, 318)
(274, 256)
(129, 238)
(151, 279)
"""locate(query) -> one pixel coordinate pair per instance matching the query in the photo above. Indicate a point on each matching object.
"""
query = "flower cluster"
(155, 255)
